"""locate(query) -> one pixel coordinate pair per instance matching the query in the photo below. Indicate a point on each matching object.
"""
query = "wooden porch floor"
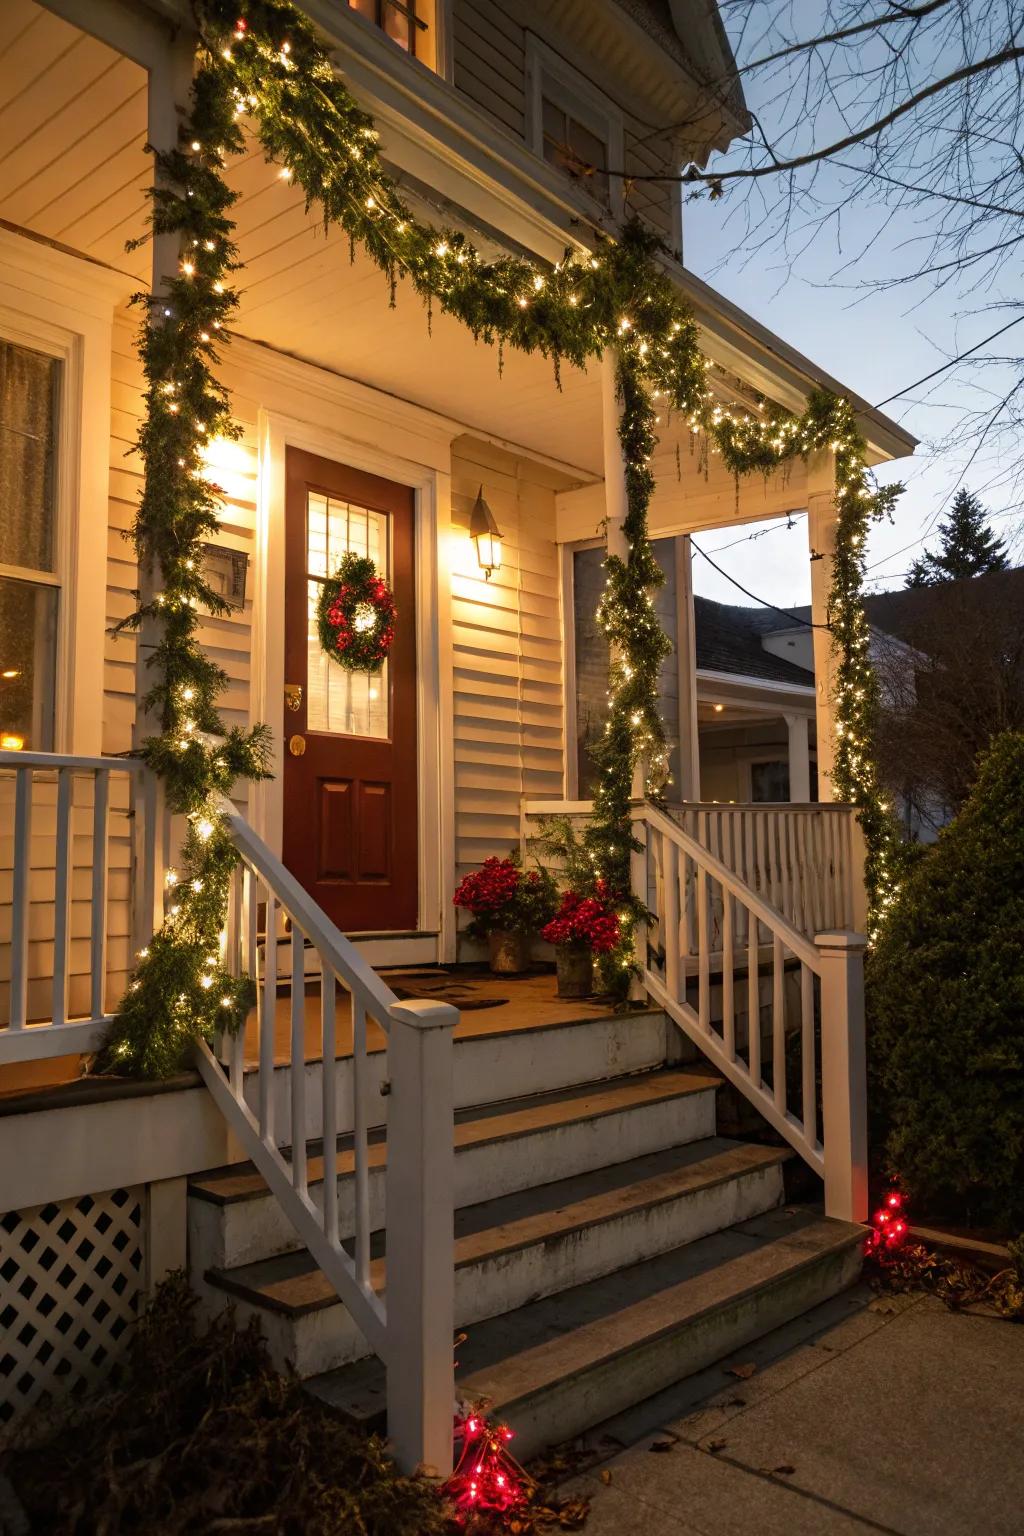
(491, 1005)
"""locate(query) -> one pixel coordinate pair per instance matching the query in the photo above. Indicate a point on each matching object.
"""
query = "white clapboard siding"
(228, 641)
(490, 60)
(506, 652)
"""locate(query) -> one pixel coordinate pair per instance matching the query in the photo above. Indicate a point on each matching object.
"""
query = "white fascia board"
(753, 692)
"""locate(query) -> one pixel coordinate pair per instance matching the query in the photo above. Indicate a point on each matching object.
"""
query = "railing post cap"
(423, 1014)
(842, 939)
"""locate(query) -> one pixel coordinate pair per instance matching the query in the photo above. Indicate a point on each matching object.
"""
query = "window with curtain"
(29, 579)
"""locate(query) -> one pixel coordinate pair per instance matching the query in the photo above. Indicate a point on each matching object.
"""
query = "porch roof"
(81, 177)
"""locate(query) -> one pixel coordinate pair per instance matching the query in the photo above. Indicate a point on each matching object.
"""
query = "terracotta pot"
(575, 968)
(508, 951)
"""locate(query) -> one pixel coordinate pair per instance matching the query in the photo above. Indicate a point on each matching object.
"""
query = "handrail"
(345, 960)
(770, 916)
(410, 1326)
(806, 1074)
(68, 760)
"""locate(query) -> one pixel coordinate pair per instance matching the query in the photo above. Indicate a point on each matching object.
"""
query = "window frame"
(47, 341)
(549, 75)
(57, 304)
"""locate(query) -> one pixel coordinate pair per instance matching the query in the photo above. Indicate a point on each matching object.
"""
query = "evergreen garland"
(262, 60)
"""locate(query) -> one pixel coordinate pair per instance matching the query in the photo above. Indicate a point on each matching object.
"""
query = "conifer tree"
(967, 546)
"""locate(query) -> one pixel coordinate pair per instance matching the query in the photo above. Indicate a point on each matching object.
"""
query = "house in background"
(363, 429)
(752, 711)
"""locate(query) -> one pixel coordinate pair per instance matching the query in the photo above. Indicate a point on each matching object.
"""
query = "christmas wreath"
(355, 615)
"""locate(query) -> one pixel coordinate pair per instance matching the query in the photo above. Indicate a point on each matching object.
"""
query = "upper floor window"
(573, 125)
(404, 21)
(572, 145)
(29, 582)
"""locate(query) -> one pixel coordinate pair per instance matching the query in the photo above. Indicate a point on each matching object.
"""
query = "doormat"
(463, 993)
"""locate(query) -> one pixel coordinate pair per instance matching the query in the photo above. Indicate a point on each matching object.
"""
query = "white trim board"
(351, 438)
(59, 304)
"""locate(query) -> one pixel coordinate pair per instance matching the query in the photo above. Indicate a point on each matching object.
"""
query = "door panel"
(344, 838)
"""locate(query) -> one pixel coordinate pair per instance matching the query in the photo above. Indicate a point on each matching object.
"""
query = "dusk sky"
(875, 341)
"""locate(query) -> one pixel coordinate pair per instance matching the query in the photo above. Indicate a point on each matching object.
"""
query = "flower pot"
(508, 951)
(574, 965)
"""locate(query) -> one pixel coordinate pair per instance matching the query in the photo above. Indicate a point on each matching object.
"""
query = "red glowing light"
(486, 1475)
(888, 1227)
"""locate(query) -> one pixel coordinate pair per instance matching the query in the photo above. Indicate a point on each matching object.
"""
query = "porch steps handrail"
(810, 1085)
(718, 944)
(410, 1326)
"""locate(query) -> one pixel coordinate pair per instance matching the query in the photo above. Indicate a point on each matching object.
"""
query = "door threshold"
(389, 947)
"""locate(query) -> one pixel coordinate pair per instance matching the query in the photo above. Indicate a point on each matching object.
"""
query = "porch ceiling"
(74, 170)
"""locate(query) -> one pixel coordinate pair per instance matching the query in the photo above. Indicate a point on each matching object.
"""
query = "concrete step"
(493, 1063)
(522, 1246)
(500, 1148)
(563, 1364)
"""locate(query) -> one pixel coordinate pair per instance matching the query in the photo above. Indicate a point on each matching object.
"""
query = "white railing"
(345, 1017)
(806, 1072)
(755, 950)
(807, 860)
(77, 870)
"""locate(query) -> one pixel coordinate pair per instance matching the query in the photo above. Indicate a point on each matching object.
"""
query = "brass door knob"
(296, 745)
(293, 696)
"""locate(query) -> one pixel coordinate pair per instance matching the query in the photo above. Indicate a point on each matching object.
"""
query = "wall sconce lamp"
(486, 535)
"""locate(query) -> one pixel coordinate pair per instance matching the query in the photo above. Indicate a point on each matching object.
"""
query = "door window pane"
(28, 647)
(339, 702)
(28, 394)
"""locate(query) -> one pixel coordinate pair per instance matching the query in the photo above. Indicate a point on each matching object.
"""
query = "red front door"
(350, 737)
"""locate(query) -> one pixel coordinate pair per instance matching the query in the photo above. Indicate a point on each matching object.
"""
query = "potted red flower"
(583, 927)
(508, 904)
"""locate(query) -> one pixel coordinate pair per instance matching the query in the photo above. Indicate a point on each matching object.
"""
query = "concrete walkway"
(871, 1414)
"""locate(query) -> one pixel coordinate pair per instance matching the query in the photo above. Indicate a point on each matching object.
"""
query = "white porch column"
(799, 759)
(686, 660)
(821, 538)
(170, 81)
(615, 487)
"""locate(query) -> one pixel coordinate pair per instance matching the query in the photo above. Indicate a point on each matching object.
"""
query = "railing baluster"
(778, 1024)
(62, 895)
(20, 896)
(98, 906)
(362, 1174)
(703, 954)
(329, 1099)
(753, 1001)
(728, 979)
(671, 922)
(790, 878)
(807, 1053)
(266, 1022)
(298, 1059)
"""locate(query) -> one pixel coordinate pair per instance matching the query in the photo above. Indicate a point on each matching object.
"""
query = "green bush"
(946, 1011)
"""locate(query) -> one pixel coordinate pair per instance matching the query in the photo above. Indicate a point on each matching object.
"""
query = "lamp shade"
(486, 535)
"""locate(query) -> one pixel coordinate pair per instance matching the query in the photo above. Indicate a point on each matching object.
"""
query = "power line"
(763, 601)
(951, 364)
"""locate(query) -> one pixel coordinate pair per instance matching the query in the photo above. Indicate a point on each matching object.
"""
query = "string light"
(339, 168)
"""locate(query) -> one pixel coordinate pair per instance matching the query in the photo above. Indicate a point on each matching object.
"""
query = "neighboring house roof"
(729, 636)
(728, 639)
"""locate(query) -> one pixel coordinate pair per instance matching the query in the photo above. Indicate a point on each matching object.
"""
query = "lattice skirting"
(71, 1277)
